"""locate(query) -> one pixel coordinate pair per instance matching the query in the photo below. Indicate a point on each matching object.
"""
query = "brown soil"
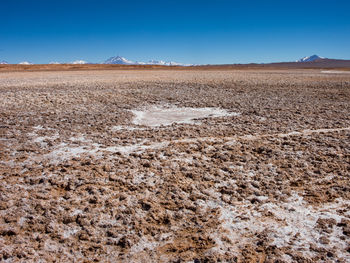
(81, 182)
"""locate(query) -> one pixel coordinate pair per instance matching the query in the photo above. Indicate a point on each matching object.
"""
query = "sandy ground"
(175, 166)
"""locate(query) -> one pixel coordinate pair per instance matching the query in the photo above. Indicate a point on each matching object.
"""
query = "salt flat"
(175, 166)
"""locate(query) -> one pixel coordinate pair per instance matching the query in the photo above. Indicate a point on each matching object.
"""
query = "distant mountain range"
(123, 61)
(313, 61)
(118, 60)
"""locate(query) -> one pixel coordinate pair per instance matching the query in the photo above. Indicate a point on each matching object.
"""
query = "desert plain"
(175, 165)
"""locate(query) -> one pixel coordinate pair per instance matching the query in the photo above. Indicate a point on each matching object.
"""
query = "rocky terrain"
(175, 166)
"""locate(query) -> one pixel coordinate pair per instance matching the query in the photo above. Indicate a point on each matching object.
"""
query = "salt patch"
(335, 71)
(78, 139)
(294, 218)
(42, 139)
(64, 152)
(38, 127)
(77, 212)
(157, 115)
(144, 244)
(70, 231)
(126, 128)
(136, 148)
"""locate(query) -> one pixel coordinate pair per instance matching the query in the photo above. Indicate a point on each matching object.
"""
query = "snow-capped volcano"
(25, 63)
(3, 63)
(123, 61)
(79, 62)
(118, 60)
(310, 58)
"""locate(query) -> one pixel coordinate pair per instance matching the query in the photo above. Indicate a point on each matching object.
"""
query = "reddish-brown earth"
(260, 175)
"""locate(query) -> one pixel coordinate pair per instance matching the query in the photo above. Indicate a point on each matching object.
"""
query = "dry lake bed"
(175, 166)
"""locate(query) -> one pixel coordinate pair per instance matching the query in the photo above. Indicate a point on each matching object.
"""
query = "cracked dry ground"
(80, 182)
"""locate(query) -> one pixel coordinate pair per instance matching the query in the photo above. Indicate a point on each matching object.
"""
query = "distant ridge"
(3, 63)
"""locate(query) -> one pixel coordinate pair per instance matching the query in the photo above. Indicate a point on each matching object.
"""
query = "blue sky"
(201, 32)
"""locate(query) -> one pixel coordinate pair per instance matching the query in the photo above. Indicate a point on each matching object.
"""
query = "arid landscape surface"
(175, 165)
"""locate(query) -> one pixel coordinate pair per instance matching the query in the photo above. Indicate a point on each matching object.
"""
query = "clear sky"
(187, 31)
